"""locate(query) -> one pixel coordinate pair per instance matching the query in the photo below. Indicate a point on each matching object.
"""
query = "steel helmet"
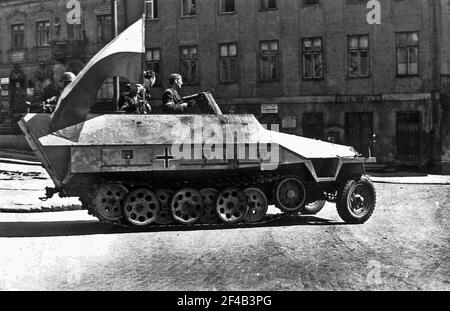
(67, 77)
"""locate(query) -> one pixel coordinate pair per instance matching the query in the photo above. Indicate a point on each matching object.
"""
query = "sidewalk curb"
(18, 155)
(410, 183)
(42, 209)
(19, 162)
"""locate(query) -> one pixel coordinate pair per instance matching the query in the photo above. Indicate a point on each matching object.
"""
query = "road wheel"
(313, 207)
(232, 205)
(356, 200)
(107, 201)
(290, 195)
(257, 204)
(141, 207)
(187, 206)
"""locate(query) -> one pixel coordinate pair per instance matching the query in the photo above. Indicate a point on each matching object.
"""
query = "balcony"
(62, 50)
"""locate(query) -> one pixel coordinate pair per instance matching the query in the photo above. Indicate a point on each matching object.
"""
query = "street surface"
(404, 246)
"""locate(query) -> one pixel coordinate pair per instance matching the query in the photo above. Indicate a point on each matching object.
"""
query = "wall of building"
(54, 62)
(383, 93)
(445, 86)
(333, 20)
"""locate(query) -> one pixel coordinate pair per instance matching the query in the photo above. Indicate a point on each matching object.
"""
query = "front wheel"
(312, 208)
(356, 200)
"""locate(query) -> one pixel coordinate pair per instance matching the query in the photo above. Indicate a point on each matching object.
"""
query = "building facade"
(316, 68)
(40, 40)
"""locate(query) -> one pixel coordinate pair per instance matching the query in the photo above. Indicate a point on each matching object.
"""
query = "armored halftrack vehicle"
(199, 167)
(204, 166)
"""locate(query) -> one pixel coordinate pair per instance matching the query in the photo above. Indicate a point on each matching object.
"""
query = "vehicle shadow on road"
(91, 227)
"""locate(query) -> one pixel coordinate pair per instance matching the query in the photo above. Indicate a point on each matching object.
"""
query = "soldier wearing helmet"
(49, 104)
(67, 77)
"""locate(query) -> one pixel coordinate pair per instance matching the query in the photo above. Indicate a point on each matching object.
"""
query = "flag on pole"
(121, 57)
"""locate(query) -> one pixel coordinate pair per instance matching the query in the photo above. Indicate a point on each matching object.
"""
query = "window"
(227, 6)
(228, 62)
(269, 64)
(104, 28)
(74, 32)
(43, 33)
(106, 91)
(188, 8)
(407, 53)
(189, 64)
(151, 9)
(268, 4)
(310, 2)
(312, 58)
(153, 62)
(358, 56)
(18, 37)
(313, 125)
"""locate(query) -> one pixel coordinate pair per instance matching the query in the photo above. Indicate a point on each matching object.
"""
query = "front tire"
(312, 208)
(356, 200)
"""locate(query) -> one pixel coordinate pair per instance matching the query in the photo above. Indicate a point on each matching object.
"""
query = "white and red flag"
(121, 57)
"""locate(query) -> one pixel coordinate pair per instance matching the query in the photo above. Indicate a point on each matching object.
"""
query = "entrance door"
(359, 131)
(408, 136)
(313, 125)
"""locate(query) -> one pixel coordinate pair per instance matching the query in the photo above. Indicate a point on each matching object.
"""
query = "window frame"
(46, 32)
(158, 81)
(222, 8)
(183, 15)
(101, 28)
(260, 62)
(322, 54)
(21, 45)
(228, 57)
(106, 90)
(154, 8)
(187, 79)
(398, 47)
(264, 7)
(359, 49)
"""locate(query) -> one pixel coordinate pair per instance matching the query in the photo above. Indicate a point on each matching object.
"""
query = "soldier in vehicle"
(149, 81)
(133, 102)
(172, 101)
(48, 105)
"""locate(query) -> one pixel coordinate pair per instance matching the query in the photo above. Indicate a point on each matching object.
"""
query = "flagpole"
(115, 33)
(143, 59)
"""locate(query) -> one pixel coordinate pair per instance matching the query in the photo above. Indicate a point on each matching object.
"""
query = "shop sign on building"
(269, 108)
(4, 86)
(346, 99)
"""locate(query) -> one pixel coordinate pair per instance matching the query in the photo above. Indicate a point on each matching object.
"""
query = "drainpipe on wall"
(435, 107)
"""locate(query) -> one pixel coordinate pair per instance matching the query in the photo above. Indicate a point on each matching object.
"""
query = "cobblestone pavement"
(404, 246)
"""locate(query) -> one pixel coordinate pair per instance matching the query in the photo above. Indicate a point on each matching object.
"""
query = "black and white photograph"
(224, 151)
